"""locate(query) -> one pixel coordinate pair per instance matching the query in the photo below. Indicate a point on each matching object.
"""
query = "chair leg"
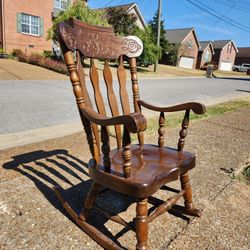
(141, 224)
(189, 206)
(89, 202)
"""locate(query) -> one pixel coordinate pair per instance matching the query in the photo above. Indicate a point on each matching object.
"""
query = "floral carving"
(130, 45)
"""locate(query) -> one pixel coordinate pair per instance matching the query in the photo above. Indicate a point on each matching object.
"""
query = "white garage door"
(226, 66)
(186, 62)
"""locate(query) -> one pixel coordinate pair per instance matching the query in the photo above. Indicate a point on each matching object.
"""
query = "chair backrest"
(95, 42)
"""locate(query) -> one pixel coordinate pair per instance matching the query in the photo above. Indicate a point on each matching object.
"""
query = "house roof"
(205, 44)
(219, 44)
(179, 35)
(127, 8)
(244, 52)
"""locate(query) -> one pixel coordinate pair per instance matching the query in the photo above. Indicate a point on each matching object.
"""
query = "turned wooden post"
(89, 202)
(126, 153)
(161, 130)
(141, 224)
(136, 97)
(189, 206)
(183, 132)
(81, 104)
(105, 148)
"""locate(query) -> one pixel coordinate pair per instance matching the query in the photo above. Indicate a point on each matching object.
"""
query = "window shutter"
(18, 22)
(41, 26)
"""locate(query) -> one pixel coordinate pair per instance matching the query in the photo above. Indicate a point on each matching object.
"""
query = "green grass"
(175, 119)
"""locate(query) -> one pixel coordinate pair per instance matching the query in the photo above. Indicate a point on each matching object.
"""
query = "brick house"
(224, 54)
(243, 56)
(189, 46)
(205, 53)
(133, 9)
(24, 24)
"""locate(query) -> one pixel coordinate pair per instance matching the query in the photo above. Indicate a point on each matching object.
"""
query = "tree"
(153, 25)
(170, 51)
(122, 22)
(151, 52)
(80, 11)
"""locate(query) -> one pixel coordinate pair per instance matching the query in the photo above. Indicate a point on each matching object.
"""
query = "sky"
(194, 13)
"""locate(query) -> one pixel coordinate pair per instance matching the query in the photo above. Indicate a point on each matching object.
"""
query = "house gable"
(131, 8)
(225, 53)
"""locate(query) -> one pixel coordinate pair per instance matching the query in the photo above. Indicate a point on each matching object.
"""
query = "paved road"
(36, 104)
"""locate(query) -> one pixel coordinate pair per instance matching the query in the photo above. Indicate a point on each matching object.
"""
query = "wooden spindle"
(136, 97)
(183, 132)
(161, 130)
(105, 148)
(81, 104)
(126, 153)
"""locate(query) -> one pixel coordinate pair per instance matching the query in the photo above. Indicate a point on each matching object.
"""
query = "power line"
(227, 20)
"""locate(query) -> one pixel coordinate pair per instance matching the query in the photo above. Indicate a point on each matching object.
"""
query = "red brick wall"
(226, 55)
(12, 38)
(189, 52)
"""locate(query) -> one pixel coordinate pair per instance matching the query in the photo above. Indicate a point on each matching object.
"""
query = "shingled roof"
(122, 6)
(219, 44)
(205, 44)
(177, 35)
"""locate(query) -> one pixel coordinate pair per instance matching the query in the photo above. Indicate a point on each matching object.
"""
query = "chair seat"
(152, 167)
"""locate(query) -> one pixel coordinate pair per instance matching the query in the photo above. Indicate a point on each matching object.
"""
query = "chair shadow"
(47, 169)
(37, 166)
(243, 90)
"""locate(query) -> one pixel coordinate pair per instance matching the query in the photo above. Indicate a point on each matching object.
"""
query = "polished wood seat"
(152, 168)
(134, 169)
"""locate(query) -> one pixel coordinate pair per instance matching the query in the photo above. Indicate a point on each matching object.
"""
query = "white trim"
(140, 14)
(237, 51)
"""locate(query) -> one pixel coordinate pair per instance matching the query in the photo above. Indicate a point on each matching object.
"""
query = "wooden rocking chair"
(137, 170)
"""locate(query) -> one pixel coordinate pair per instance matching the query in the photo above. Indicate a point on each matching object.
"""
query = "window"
(61, 4)
(30, 24)
(206, 57)
(229, 48)
(190, 44)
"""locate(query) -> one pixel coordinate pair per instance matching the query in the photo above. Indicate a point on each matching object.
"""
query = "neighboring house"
(224, 54)
(189, 46)
(243, 56)
(24, 24)
(132, 8)
(205, 53)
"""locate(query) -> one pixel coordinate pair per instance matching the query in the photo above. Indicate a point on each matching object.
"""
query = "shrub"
(39, 60)
(47, 53)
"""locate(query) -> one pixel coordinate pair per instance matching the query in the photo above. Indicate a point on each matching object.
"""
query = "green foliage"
(169, 50)
(150, 51)
(81, 12)
(122, 22)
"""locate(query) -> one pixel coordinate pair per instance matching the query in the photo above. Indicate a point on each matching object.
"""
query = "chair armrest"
(197, 108)
(134, 122)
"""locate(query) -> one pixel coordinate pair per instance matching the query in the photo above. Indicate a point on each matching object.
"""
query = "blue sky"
(181, 14)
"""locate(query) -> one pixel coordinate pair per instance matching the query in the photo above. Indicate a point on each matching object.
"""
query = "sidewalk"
(32, 218)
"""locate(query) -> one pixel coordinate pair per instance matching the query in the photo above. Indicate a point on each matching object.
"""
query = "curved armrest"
(197, 108)
(134, 122)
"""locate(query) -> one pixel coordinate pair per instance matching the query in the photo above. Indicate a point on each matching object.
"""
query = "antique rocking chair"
(137, 170)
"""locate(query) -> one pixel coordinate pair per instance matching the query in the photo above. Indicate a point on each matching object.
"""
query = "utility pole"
(158, 30)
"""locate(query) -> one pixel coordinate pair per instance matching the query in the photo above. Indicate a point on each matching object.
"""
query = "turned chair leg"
(189, 206)
(141, 224)
(89, 202)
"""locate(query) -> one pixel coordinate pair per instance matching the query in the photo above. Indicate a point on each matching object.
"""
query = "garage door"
(226, 66)
(186, 62)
